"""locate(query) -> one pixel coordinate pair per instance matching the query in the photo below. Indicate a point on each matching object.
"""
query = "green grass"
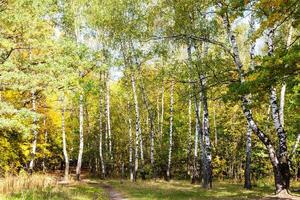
(82, 191)
(179, 190)
(148, 190)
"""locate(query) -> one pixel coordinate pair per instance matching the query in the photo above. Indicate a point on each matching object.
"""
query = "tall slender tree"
(171, 130)
(35, 132)
(64, 140)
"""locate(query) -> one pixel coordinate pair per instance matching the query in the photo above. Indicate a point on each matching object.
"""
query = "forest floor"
(180, 190)
(95, 189)
(72, 191)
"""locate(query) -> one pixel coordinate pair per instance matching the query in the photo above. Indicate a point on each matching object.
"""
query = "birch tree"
(107, 97)
(35, 132)
(81, 142)
(281, 178)
(171, 131)
(64, 140)
(101, 127)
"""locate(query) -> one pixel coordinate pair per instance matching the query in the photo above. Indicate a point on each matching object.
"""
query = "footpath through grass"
(181, 190)
(141, 190)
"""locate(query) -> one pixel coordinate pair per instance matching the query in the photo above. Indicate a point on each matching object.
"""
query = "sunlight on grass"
(184, 190)
(78, 191)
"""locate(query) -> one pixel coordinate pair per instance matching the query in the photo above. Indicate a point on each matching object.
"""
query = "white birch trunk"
(150, 117)
(33, 151)
(162, 112)
(101, 129)
(137, 126)
(130, 149)
(189, 147)
(198, 135)
(131, 170)
(108, 117)
(283, 87)
(207, 176)
(283, 152)
(80, 152)
(171, 131)
(247, 183)
(64, 141)
(247, 112)
(282, 101)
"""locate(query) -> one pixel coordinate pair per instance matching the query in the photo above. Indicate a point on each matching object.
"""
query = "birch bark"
(80, 152)
(247, 183)
(207, 176)
(171, 131)
(247, 112)
(64, 140)
(137, 126)
(108, 116)
(101, 128)
(33, 151)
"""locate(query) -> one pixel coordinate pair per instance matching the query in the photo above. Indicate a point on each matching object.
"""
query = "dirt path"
(113, 194)
(282, 196)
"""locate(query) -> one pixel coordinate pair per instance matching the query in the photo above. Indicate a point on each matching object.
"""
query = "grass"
(81, 191)
(15, 184)
(45, 187)
(178, 190)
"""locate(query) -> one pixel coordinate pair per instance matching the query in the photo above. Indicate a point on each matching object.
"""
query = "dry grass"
(15, 184)
(48, 187)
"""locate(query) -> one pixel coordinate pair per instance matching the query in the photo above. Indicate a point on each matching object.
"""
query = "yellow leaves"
(25, 147)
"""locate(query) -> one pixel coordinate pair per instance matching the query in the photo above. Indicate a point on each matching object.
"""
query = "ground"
(96, 189)
(74, 191)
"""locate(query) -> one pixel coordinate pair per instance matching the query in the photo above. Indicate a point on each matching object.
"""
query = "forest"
(149, 99)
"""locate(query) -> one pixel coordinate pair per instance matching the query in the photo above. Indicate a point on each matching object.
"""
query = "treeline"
(151, 89)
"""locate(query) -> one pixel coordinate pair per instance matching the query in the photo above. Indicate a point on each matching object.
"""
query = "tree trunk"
(207, 176)
(90, 140)
(282, 100)
(198, 131)
(131, 170)
(157, 114)
(150, 112)
(101, 129)
(171, 130)
(247, 184)
(283, 152)
(189, 147)
(137, 127)
(45, 140)
(33, 151)
(130, 150)
(162, 112)
(296, 145)
(283, 87)
(64, 141)
(247, 112)
(108, 116)
(79, 160)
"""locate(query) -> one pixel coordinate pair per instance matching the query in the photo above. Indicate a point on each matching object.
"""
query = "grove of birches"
(151, 89)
